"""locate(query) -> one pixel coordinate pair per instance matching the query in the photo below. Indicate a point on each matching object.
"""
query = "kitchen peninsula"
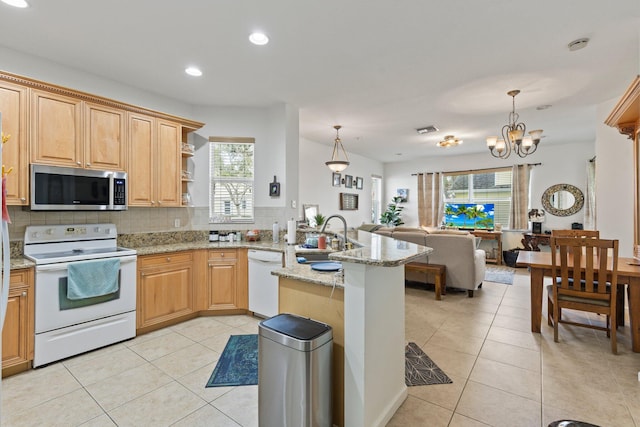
(366, 310)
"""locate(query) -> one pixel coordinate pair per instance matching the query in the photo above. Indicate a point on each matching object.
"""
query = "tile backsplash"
(139, 220)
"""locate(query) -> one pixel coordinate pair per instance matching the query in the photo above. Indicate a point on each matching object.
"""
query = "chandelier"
(513, 138)
(449, 141)
(335, 164)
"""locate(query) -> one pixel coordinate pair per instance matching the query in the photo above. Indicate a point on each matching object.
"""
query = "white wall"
(614, 182)
(316, 185)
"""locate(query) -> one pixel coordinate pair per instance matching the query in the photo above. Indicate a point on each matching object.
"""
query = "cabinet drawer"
(161, 259)
(222, 255)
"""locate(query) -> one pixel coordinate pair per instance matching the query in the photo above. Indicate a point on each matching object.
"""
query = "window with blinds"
(231, 186)
(487, 187)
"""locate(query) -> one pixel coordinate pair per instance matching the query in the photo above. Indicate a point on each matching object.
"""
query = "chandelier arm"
(344, 152)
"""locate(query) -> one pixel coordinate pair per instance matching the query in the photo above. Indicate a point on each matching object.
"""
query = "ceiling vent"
(578, 44)
(427, 129)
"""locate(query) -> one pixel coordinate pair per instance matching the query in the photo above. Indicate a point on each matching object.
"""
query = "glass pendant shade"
(336, 164)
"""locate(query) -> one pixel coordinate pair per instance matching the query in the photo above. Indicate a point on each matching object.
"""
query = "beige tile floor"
(503, 375)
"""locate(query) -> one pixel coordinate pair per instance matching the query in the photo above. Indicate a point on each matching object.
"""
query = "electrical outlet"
(293, 204)
(176, 222)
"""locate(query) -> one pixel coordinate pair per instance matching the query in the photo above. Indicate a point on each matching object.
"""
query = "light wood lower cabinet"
(18, 331)
(227, 280)
(165, 288)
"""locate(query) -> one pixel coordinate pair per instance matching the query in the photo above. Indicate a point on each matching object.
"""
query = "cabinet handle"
(24, 293)
(88, 164)
(142, 273)
(153, 203)
(79, 163)
(168, 259)
(23, 199)
(222, 255)
(159, 202)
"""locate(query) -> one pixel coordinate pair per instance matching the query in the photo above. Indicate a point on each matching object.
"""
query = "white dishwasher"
(263, 286)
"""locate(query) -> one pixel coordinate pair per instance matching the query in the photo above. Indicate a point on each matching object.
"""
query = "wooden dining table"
(539, 264)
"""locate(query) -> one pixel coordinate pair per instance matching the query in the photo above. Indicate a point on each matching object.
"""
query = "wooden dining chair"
(587, 288)
(576, 233)
(596, 234)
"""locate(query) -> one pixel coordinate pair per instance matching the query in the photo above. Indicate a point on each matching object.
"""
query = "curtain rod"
(475, 170)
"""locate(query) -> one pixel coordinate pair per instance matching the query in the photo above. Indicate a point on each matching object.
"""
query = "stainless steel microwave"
(56, 188)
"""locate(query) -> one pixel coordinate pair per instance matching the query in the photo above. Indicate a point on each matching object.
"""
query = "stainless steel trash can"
(294, 372)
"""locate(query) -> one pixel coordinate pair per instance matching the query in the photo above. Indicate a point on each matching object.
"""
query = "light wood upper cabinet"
(168, 163)
(18, 331)
(56, 129)
(67, 131)
(14, 108)
(104, 146)
(154, 166)
(141, 166)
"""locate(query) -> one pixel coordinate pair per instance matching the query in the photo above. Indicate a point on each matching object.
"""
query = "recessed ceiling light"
(16, 3)
(578, 44)
(193, 71)
(259, 38)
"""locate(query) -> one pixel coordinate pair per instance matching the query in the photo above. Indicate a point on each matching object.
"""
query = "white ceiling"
(381, 69)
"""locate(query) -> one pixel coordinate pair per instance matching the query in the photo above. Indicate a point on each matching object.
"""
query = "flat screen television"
(479, 216)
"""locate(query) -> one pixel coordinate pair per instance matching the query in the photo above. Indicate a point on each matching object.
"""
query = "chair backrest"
(594, 256)
(576, 233)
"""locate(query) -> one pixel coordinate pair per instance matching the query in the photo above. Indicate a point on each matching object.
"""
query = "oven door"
(54, 310)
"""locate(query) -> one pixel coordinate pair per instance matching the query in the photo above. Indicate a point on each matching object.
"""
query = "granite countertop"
(377, 250)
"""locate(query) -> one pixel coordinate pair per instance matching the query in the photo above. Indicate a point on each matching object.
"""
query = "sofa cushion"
(446, 231)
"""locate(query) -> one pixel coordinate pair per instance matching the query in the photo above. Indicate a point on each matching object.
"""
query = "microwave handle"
(111, 190)
(64, 265)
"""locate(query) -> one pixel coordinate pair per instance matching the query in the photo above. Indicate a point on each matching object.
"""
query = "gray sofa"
(455, 249)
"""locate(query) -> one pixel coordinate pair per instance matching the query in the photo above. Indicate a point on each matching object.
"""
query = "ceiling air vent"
(427, 129)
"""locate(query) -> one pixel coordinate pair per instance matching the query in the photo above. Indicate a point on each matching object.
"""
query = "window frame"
(225, 215)
(471, 191)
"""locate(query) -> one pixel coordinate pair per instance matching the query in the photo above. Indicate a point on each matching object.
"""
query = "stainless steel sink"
(314, 256)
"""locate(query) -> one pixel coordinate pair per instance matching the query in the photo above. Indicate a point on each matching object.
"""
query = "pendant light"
(335, 164)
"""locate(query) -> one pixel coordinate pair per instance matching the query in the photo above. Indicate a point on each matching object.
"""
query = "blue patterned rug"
(420, 369)
(238, 364)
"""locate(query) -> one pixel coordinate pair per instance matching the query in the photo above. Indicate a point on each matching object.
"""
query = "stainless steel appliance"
(65, 327)
(58, 188)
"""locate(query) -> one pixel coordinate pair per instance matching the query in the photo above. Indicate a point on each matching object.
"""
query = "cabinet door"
(56, 129)
(165, 289)
(18, 332)
(141, 170)
(13, 105)
(104, 138)
(168, 161)
(223, 280)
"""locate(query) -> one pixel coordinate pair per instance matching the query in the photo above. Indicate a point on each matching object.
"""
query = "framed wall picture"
(348, 181)
(403, 193)
(337, 179)
(348, 202)
(359, 183)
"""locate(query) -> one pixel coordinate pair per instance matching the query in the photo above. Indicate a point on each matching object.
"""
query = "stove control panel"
(71, 232)
(75, 231)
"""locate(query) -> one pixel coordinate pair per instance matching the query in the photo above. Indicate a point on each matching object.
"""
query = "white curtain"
(430, 202)
(519, 197)
(590, 222)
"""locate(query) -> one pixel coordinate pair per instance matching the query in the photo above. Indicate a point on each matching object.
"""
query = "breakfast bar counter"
(366, 312)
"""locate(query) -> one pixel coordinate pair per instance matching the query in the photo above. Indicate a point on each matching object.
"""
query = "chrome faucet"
(344, 221)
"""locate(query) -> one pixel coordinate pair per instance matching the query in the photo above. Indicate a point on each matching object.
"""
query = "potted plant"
(391, 217)
(319, 219)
